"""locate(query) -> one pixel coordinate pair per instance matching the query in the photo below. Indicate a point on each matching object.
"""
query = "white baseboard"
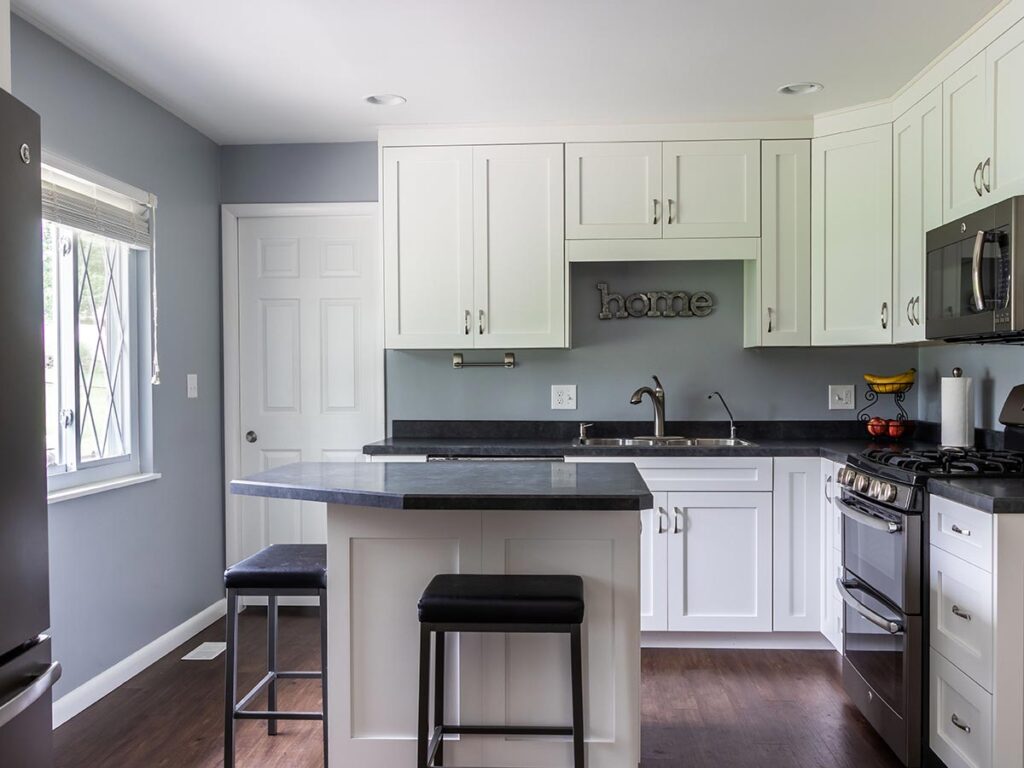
(91, 691)
(809, 641)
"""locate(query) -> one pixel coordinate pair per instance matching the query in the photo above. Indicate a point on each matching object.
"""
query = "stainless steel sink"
(669, 442)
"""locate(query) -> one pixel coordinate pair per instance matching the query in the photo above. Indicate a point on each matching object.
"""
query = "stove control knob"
(861, 483)
(845, 477)
(875, 489)
(887, 492)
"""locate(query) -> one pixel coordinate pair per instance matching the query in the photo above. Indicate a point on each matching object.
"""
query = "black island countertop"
(507, 485)
(828, 440)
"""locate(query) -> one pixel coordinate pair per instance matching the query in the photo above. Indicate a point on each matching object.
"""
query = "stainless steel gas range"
(884, 502)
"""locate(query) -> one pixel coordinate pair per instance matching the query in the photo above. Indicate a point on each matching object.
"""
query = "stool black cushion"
(281, 566)
(499, 599)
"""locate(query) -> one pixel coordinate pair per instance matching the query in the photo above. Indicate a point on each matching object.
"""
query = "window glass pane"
(104, 388)
(51, 344)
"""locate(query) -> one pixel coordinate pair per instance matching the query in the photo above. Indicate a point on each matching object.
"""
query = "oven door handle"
(861, 518)
(890, 626)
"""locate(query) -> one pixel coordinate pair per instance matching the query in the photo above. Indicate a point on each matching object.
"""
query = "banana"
(907, 377)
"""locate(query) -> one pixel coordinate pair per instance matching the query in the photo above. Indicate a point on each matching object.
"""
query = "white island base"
(380, 560)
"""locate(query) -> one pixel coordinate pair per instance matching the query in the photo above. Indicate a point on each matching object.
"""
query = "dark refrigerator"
(27, 673)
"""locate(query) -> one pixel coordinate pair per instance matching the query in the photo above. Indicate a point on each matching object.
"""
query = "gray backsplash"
(995, 368)
(610, 358)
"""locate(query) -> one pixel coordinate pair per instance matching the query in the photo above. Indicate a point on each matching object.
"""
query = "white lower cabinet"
(796, 541)
(961, 717)
(832, 555)
(961, 615)
(655, 524)
(720, 562)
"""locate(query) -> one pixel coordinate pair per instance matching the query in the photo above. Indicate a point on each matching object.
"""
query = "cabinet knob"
(250, 436)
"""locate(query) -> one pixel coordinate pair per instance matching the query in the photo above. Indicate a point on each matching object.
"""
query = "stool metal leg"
(439, 693)
(272, 661)
(231, 682)
(577, 696)
(422, 737)
(323, 666)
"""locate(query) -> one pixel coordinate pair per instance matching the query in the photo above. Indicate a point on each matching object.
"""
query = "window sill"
(88, 489)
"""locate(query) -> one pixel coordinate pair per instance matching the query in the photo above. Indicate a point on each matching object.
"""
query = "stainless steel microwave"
(974, 276)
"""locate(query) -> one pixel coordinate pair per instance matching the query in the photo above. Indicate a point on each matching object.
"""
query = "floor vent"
(205, 652)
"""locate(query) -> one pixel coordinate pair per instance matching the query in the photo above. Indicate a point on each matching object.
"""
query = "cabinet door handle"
(662, 520)
(885, 315)
(482, 322)
(828, 484)
(677, 527)
(771, 325)
(977, 184)
(986, 178)
(469, 321)
(961, 531)
(958, 611)
(671, 202)
(655, 201)
(917, 310)
(960, 723)
(910, 318)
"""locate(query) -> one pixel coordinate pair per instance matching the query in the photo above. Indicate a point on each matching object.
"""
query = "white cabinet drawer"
(963, 531)
(960, 717)
(961, 615)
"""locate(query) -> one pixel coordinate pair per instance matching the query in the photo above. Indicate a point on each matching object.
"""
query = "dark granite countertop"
(999, 496)
(456, 485)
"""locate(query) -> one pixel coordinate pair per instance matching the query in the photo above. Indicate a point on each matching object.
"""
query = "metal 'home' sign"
(615, 306)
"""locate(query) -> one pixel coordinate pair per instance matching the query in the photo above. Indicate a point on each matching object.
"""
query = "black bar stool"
(279, 570)
(495, 603)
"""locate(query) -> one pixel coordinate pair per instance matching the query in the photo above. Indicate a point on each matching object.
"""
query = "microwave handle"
(979, 293)
(892, 627)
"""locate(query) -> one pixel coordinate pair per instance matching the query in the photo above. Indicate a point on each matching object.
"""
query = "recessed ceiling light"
(799, 89)
(386, 99)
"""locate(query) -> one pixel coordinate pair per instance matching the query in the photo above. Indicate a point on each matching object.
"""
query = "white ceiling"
(259, 71)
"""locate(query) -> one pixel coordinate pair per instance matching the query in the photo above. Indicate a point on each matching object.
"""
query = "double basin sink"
(667, 442)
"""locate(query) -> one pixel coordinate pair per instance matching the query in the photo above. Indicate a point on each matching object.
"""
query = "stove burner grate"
(950, 461)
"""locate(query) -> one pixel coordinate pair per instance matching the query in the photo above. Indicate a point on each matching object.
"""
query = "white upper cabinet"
(785, 266)
(473, 247)
(613, 190)
(645, 190)
(711, 188)
(966, 142)
(917, 207)
(1005, 81)
(851, 237)
(518, 253)
(428, 246)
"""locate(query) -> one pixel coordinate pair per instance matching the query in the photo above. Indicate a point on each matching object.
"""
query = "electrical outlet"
(563, 397)
(192, 385)
(840, 397)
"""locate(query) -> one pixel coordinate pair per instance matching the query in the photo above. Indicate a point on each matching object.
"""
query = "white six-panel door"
(711, 188)
(310, 359)
(613, 190)
(518, 253)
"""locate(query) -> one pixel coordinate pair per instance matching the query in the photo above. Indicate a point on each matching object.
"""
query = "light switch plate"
(563, 397)
(841, 397)
(192, 385)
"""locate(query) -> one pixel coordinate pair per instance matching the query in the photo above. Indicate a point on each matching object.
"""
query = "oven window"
(875, 653)
(874, 556)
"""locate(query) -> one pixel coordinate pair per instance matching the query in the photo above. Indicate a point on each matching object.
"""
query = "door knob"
(250, 436)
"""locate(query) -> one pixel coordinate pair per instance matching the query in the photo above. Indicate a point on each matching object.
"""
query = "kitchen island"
(392, 527)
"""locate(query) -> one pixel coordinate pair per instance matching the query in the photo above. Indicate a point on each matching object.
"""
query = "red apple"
(877, 426)
(896, 428)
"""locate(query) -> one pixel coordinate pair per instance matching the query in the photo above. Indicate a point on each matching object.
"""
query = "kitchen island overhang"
(392, 527)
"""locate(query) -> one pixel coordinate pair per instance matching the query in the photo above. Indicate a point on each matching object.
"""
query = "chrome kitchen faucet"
(658, 400)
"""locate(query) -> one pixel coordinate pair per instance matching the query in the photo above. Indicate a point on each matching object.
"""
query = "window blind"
(73, 201)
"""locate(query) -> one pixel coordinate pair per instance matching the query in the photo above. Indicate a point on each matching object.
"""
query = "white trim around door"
(231, 214)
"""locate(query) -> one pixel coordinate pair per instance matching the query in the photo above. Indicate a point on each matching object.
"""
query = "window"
(97, 245)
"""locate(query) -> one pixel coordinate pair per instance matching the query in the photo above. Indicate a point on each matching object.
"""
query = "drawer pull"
(677, 528)
(662, 520)
(960, 724)
(962, 531)
(958, 611)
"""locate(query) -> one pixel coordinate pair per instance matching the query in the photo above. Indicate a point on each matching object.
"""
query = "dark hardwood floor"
(700, 709)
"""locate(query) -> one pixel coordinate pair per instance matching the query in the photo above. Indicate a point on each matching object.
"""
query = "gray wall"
(128, 565)
(610, 358)
(994, 368)
(299, 173)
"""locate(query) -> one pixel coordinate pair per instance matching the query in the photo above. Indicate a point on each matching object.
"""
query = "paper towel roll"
(957, 411)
